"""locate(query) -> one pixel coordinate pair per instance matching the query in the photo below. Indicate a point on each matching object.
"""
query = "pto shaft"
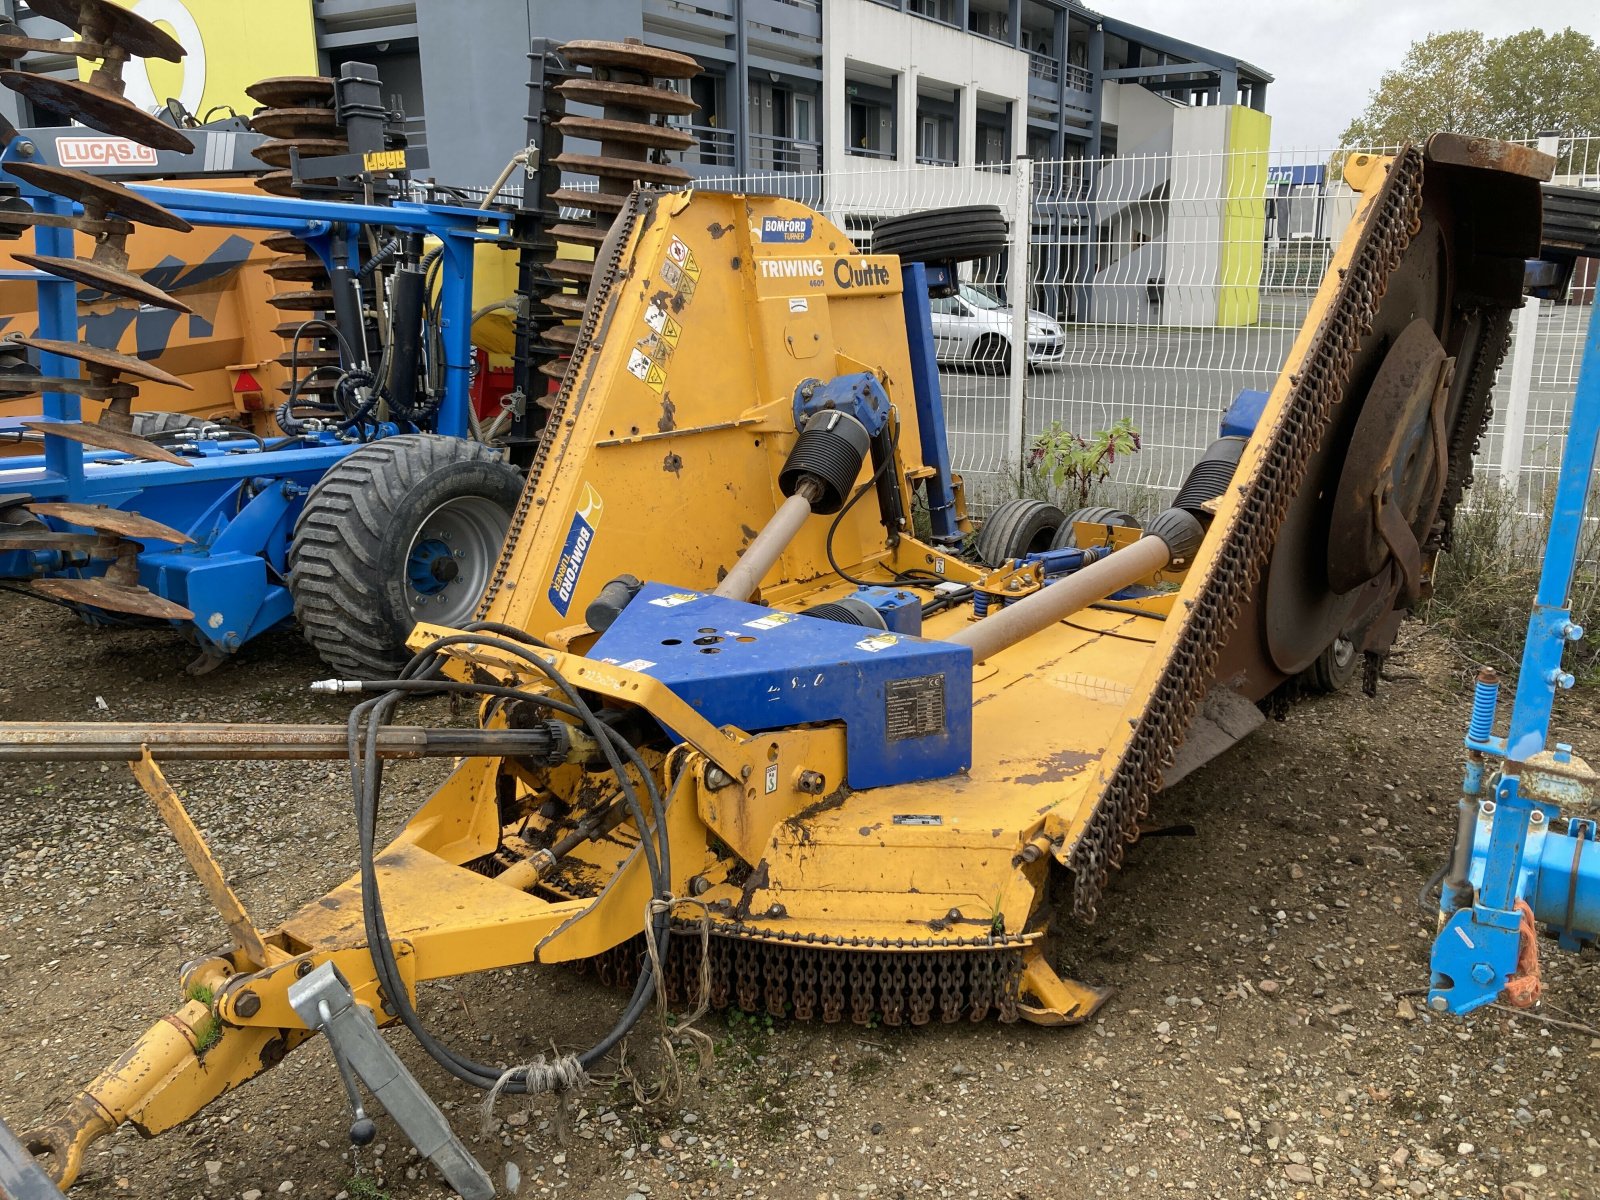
(1171, 540)
(93, 741)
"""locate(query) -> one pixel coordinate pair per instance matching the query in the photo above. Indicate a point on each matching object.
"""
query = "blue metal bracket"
(1517, 856)
(938, 488)
(858, 394)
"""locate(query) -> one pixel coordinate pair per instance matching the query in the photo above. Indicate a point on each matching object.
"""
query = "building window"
(994, 133)
(938, 115)
(870, 126)
(943, 11)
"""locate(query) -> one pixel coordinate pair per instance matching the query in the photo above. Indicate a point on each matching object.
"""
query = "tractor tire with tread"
(963, 234)
(1016, 528)
(356, 546)
(1097, 515)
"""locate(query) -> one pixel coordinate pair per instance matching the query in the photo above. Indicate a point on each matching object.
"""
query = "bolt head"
(1482, 973)
(1439, 1004)
(247, 1005)
(1573, 631)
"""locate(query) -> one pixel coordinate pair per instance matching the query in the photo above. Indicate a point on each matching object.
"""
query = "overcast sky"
(1326, 55)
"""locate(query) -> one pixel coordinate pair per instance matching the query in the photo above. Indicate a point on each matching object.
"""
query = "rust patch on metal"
(669, 415)
(1059, 766)
(672, 463)
(719, 231)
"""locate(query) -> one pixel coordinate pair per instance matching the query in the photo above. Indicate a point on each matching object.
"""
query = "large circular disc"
(126, 30)
(605, 93)
(113, 597)
(276, 153)
(1302, 614)
(647, 60)
(633, 133)
(114, 280)
(292, 91)
(1393, 459)
(104, 360)
(621, 168)
(102, 110)
(295, 122)
(91, 191)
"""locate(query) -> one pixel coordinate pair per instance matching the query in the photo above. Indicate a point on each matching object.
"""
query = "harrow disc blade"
(98, 109)
(112, 23)
(104, 361)
(112, 280)
(113, 597)
(93, 192)
(103, 437)
(103, 519)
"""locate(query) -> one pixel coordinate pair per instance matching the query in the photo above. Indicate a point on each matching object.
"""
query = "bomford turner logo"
(580, 540)
(785, 229)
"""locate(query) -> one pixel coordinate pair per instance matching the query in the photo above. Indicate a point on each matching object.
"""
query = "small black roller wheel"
(1016, 528)
(964, 234)
(404, 530)
(1066, 536)
(1334, 668)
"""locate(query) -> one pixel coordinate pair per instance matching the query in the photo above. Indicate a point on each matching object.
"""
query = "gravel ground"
(1261, 1042)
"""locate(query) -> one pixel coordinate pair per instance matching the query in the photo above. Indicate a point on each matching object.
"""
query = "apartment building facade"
(789, 85)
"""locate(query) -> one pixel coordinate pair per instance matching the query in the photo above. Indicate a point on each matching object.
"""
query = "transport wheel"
(159, 424)
(945, 235)
(1016, 528)
(407, 529)
(1334, 668)
(1065, 536)
(991, 355)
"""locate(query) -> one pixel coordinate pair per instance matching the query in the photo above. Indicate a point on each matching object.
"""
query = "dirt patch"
(1258, 1044)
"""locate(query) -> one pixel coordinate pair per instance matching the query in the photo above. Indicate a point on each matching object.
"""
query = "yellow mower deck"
(926, 900)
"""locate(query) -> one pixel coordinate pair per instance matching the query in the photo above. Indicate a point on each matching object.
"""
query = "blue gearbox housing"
(906, 703)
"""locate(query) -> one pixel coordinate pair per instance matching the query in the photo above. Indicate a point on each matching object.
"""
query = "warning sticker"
(656, 348)
(678, 251)
(639, 364)
(661, 322)
(799, 304)
(914, 708)
(636, 664)
(770, 621)
(673, 599)
(878, 641)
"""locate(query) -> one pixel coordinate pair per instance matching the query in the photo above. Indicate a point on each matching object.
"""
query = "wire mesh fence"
(1160, 286)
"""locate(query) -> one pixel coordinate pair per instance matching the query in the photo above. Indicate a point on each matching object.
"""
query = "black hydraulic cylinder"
(405, 345)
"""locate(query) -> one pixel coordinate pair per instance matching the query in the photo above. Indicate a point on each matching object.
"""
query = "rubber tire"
(347, 558)
(1328, 674)
(963, 234)
(1099, 515)
(991, 355)
(159, 424)
(1016, 528)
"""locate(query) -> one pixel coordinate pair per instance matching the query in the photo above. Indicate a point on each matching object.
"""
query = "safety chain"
(805, 982)
(605, 279)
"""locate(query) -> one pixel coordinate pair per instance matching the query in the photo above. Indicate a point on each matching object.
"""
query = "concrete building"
(794, 90)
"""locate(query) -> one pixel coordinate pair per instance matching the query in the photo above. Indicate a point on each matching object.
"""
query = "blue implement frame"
(1516, 861)
(237, 500)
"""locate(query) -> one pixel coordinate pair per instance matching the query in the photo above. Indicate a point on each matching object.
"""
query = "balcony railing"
(1044, 68)
(713, 147)
(769, 152)
(864, 152)
(1078, 78)
(928, 161)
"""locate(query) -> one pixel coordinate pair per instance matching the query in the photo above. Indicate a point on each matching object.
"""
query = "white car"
(973, 328)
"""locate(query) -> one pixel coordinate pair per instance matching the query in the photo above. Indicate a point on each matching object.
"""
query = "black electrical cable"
(851, 503)
(366, 779)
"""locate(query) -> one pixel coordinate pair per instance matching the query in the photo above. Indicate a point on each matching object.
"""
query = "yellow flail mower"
(743, 673)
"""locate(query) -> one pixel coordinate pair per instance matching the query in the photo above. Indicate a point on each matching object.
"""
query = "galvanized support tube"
(769, 544)
(93, 741)
(1077, 591)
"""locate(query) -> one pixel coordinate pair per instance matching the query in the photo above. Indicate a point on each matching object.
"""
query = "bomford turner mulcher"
(728, 688)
